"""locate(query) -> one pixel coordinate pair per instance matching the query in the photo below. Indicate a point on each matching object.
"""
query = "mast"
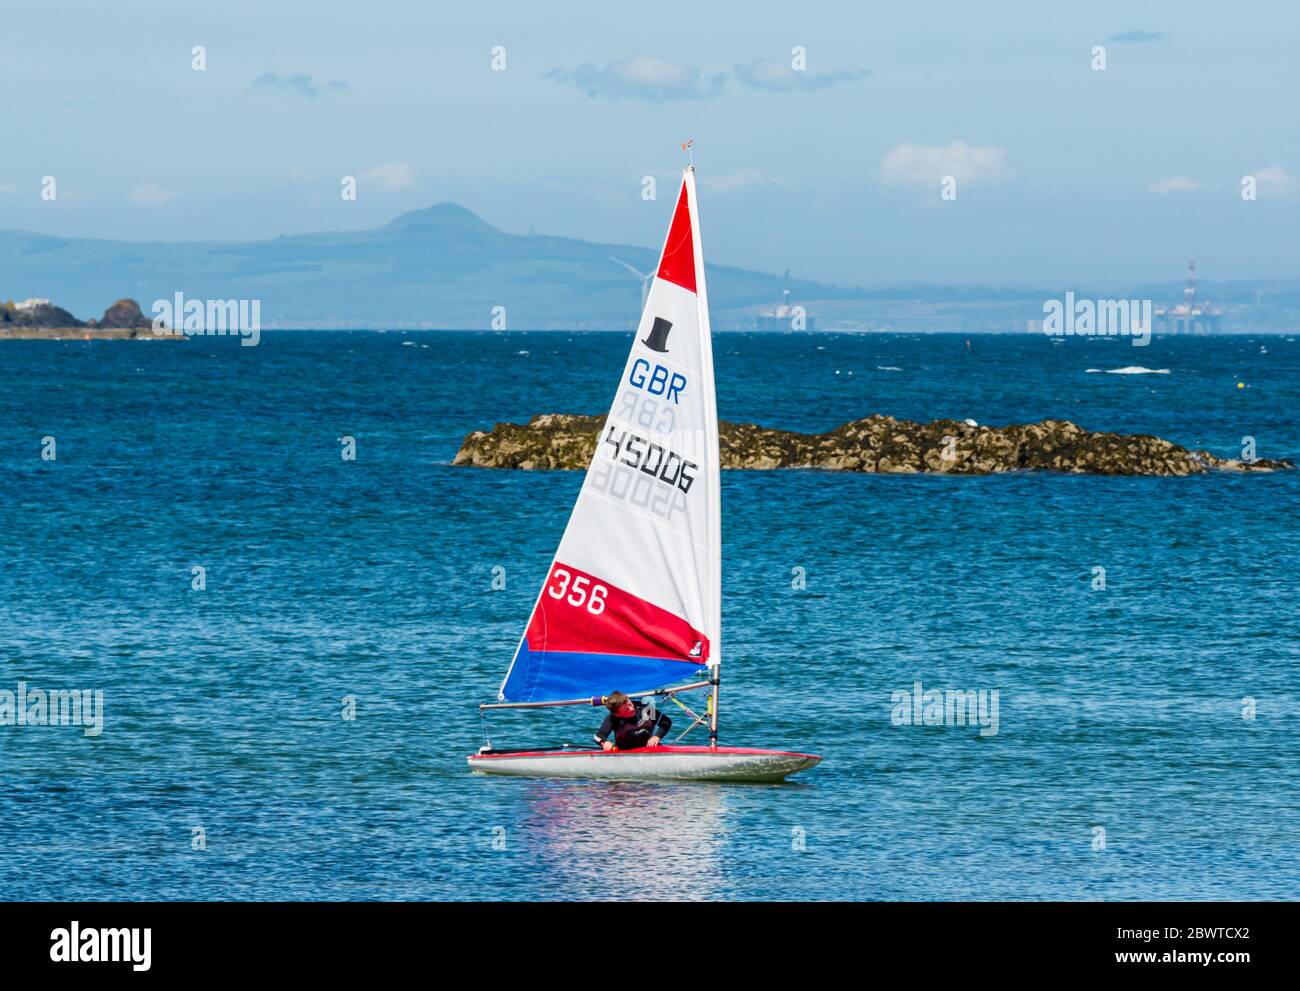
(714, 463)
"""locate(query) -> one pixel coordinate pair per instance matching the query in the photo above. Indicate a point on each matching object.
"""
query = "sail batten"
(632, 600)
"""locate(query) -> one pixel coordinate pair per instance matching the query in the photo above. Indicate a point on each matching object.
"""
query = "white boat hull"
(663, 763)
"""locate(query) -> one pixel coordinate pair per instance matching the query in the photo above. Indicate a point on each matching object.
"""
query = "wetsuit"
(635, 730)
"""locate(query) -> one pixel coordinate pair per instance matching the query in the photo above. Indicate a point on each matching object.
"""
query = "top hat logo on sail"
(657, 339)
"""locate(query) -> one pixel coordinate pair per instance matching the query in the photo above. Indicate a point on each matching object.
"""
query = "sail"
(633, 598)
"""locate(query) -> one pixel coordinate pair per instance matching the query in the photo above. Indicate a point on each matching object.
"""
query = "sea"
(291, 646)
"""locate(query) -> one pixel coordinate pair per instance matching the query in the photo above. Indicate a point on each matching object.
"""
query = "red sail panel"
(678, 263)
(580, 613)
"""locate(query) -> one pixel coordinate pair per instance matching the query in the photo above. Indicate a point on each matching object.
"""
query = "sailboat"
(633, 598)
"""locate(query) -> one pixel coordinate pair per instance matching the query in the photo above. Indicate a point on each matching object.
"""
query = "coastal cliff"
(38, 319)
(875, 444)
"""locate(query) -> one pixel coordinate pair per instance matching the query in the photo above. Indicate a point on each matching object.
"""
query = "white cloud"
(781, 77)
(1276, 180)
(151, 195)
(392, 175)
(738, 180)
(926, 165)
(1175, 184)
(641, 78)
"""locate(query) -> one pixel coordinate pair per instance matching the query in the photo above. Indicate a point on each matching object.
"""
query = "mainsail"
(633, 598)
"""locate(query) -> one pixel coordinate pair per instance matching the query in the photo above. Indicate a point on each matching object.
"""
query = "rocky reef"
(41, 319)
(875, 444)
(124, 313)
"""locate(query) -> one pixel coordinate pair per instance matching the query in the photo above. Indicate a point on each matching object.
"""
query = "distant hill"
(445, 267)
(441, 267)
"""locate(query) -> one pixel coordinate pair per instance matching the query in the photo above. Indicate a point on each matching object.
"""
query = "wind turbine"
(645, 278)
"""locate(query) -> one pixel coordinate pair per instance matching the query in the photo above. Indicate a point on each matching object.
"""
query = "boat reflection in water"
(627, 840)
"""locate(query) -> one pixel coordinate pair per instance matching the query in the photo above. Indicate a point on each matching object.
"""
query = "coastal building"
(783, 316)
(1191, 316)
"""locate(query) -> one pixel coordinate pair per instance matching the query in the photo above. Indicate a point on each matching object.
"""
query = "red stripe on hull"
(665, 750)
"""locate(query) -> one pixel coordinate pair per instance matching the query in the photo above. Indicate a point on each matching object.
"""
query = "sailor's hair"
(614, 700)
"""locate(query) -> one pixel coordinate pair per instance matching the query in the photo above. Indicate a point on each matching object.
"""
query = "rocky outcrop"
(124, 313)
(876, 444)
(40, 315)
(33, 320)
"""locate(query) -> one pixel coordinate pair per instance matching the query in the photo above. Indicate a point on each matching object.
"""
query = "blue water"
(1120, 709)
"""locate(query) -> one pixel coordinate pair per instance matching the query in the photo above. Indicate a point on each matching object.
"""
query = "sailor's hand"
(606, 745)
(652, 742)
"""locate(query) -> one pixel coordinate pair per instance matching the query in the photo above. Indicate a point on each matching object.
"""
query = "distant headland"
(875, 444)
(39, 319)
(444, 267)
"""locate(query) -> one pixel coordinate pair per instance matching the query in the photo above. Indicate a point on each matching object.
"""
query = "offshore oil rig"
(1190, 316)
(784, 317)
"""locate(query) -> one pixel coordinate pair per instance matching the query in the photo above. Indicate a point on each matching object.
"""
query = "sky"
(823, 131)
